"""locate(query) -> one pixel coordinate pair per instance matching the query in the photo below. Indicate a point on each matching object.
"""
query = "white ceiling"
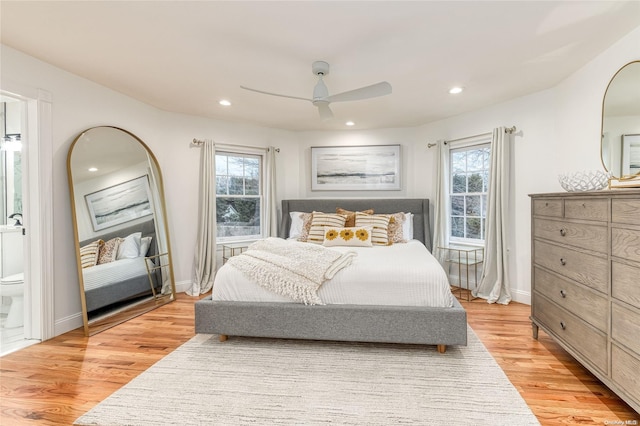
(185, 56)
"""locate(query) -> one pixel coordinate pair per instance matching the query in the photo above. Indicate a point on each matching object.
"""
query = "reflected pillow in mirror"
(130, 247)
(89, 254)
(109, 250)
(145, 243)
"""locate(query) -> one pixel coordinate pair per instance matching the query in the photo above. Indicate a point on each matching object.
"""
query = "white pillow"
(297, 222)
(145, 243)
(357, 236)
(130, 247)
(407, 227)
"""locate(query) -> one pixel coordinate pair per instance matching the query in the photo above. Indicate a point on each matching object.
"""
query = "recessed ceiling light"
(93, 169)
(225, 102)
(455, 90)
(350, 123)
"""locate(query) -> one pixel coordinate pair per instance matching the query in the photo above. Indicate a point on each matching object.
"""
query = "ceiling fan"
(321, 98)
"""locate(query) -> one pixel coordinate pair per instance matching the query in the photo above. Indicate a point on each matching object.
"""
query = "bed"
(428, 325)
(108, 285)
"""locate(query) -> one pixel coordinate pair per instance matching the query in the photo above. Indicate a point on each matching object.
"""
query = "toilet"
(13, 286)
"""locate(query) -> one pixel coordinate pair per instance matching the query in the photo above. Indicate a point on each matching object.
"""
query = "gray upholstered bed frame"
(102, 297)
(361, 323)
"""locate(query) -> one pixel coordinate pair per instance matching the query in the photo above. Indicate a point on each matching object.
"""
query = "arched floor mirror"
(120, 227)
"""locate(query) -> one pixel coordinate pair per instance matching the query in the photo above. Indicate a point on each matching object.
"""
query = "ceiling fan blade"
(276, 94)
(324, 110)
(375, 90)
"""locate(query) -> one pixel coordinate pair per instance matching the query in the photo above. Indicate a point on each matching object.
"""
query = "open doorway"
(12, 230)
(26, 247)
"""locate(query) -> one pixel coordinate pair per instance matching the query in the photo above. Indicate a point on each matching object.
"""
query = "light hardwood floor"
(55, 382)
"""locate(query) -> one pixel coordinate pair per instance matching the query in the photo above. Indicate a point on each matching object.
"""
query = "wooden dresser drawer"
(590, 237)
(597, 209)
(625, 243)
(590, 270)
(592, 307)
(625, 327)
(624, 372)
(547, 207)
(588, 342)
(625, 211)
(625, 283)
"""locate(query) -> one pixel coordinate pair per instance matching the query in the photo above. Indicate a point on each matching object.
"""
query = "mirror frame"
(121, 315)
(623, 181)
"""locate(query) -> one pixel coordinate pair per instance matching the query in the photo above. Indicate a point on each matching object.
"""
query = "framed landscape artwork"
(355, 168)
(630, 155)
(119, 203)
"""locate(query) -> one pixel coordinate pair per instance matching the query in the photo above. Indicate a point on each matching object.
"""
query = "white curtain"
(270, 193)
(494, 284)
(205, 257)
(441, 208)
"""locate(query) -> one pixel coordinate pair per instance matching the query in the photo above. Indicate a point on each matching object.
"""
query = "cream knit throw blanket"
(291, 268)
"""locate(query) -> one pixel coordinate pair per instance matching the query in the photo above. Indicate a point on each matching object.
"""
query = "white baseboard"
(69, 323)
(521, 296)
(183, 286)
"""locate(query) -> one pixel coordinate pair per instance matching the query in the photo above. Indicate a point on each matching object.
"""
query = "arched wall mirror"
(620, 148)
(121, 236)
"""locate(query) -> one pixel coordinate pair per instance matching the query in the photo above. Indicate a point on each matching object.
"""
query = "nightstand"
(467, 261)
(232, 249)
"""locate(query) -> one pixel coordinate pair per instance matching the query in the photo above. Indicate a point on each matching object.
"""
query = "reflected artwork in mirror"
(620, 135)
(121, 236)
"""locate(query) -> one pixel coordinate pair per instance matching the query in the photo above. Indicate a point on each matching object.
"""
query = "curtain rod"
(509, 130)
(198, 142)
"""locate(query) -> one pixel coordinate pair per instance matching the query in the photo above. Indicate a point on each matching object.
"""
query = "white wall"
(558, 132)
(79, 104)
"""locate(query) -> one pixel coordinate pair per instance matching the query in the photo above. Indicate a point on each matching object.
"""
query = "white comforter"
(397, 275)
(113, 272)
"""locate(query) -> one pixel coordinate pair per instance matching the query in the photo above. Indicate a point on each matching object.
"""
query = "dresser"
(585, 281)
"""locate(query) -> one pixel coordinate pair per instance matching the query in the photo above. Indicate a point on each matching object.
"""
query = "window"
(468, 192)
(239, 196)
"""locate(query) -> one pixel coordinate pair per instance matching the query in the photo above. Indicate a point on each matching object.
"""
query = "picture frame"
(630, 154)
(356, 168)
(120, 203)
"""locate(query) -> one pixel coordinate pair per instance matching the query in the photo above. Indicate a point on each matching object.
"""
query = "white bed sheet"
(113, 272)
(398, 275)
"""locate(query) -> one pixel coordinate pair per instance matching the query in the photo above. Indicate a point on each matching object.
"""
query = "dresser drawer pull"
(563, 232)
(563, 293)
(563, 325)
(562, 261)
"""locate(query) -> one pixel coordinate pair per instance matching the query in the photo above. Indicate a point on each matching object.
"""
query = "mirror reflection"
(124, 258)
(620, 149)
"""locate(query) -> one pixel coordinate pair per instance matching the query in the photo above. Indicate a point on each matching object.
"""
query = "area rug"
(253, 381)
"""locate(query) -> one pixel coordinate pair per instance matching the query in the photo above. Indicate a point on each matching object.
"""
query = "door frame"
(37, 177)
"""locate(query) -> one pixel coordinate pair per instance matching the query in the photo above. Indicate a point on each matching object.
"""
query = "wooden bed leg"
(223, 337)
(442, 349)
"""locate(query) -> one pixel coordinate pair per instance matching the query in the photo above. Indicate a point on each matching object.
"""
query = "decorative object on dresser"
(592, 180)
(584, 279)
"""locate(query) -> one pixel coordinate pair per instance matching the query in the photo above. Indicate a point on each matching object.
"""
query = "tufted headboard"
(418, 206)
